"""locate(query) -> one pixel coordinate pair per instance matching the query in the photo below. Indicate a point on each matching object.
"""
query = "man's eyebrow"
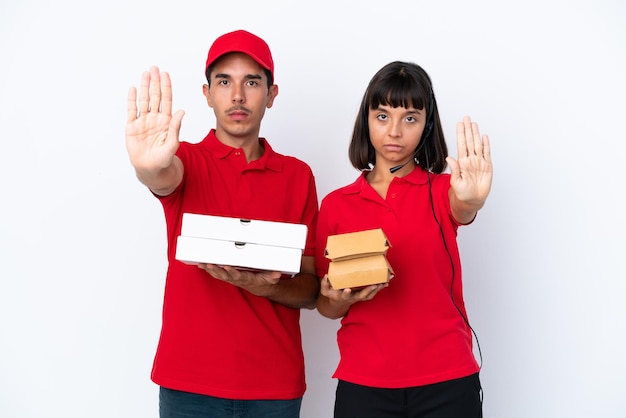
(253, 77)
(248, 76)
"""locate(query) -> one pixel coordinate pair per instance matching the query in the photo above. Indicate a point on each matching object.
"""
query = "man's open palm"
(151, 130)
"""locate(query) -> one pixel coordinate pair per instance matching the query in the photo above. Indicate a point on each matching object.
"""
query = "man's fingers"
(166, 93)
(132, 104)
(175, 123)
(155, 94)
(486, 148)
(155, 90)
(144, 93)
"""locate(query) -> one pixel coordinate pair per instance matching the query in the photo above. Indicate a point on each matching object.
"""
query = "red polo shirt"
(217, 339)
(411, 333)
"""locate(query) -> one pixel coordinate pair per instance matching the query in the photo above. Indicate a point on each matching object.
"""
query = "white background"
(82, 242)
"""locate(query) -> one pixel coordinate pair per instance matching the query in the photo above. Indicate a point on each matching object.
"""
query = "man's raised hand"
(151, 130)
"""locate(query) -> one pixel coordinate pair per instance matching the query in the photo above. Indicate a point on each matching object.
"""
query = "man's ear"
(273, 92)
(207, 93)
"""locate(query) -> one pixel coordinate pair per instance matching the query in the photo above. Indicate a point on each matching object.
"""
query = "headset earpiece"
(427, 129)
(429, 117)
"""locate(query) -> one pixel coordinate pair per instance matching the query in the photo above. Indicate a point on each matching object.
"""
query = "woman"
(406, 345)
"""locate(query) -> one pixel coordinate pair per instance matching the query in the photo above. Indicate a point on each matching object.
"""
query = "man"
(230, 341)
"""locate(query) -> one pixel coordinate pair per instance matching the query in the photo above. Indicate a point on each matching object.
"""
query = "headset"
(424, 138)
(445, 245)
(425, 134)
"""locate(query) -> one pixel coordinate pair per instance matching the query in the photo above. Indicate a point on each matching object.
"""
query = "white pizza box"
(245, 243)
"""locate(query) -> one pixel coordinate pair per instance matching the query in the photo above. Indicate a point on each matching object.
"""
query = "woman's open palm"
(472, 172)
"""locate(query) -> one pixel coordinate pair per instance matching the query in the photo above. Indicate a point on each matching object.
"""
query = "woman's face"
(395, 133)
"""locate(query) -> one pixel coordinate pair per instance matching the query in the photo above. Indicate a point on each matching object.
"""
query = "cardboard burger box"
(358, 259)
(243, 243)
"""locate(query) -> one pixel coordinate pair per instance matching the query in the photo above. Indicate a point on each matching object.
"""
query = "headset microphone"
(398, 167)
(419, 147)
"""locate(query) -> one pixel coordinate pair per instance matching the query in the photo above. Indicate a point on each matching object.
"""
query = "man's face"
(239, 95)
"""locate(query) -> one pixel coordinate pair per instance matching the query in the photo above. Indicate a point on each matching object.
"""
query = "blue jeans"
(177, 404)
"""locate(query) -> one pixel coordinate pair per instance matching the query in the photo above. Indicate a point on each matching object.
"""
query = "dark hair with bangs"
(400, 84)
